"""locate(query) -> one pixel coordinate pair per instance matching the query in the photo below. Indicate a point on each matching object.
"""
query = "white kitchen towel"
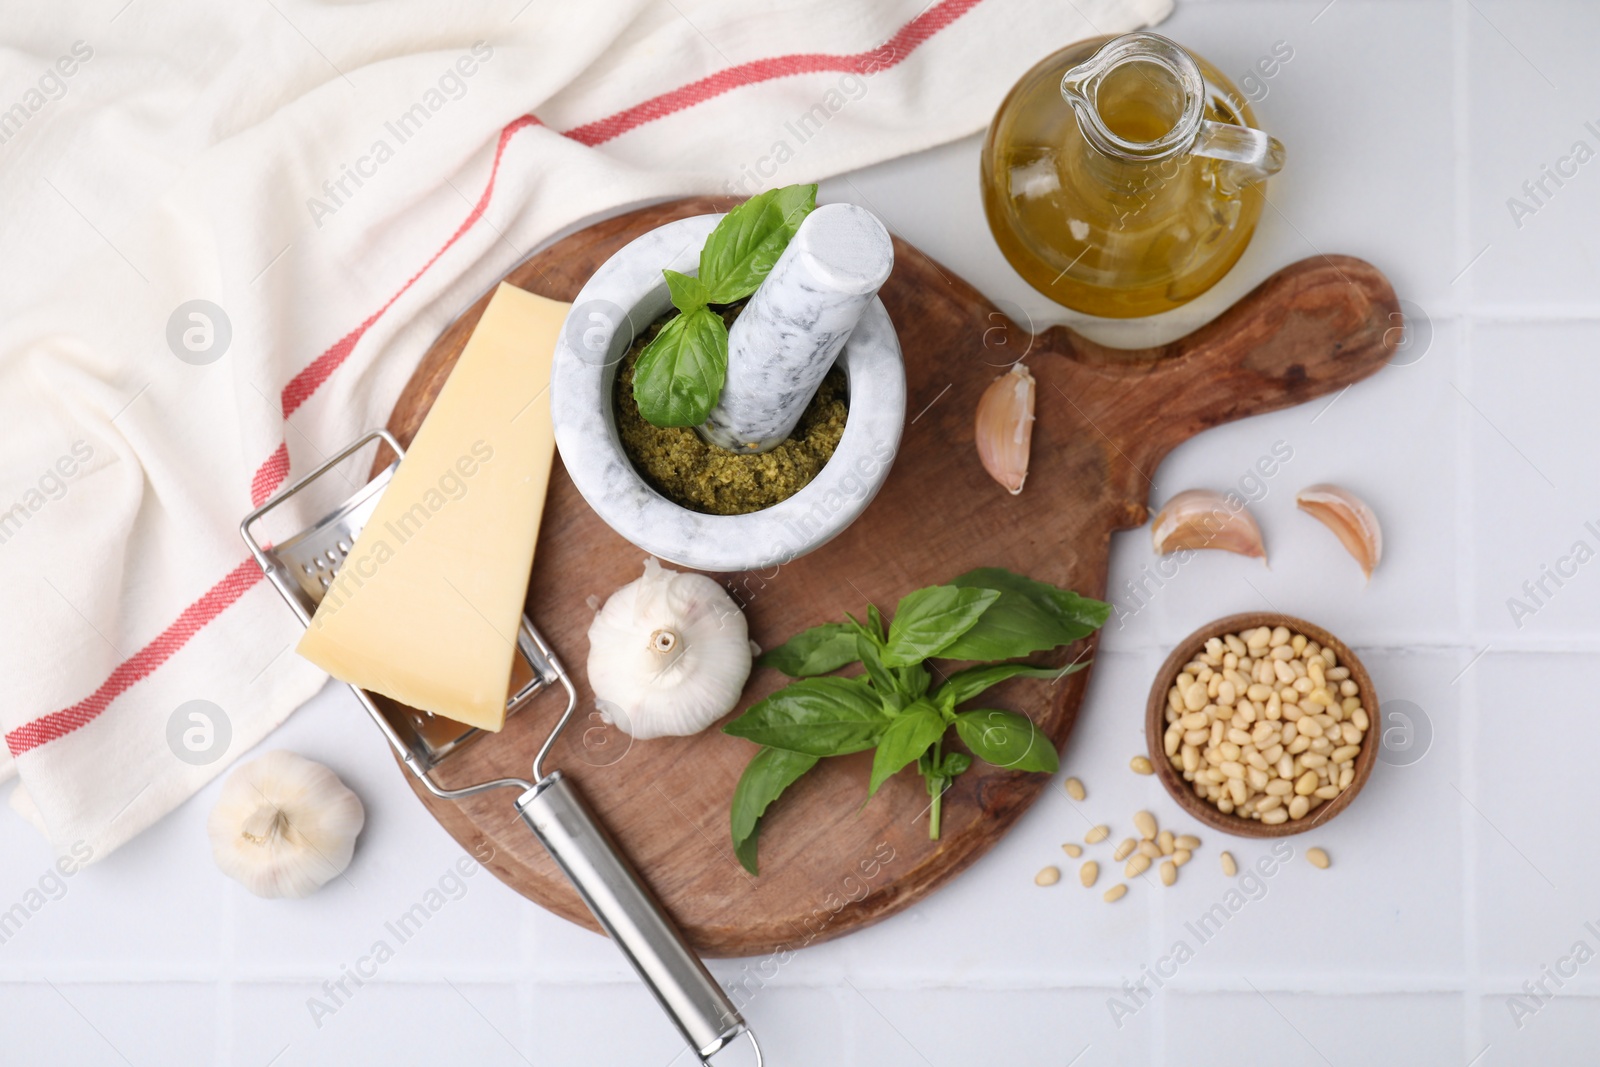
(230, 232)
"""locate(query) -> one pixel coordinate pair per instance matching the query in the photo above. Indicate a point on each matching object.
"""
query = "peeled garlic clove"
(284, 826)
(1349, 517)
(1203, 518)
(1005, 427)
(668, 654)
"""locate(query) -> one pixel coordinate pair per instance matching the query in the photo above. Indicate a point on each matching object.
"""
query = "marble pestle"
(790, 332)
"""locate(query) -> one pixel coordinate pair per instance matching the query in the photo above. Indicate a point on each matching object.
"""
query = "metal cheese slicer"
(301, 567)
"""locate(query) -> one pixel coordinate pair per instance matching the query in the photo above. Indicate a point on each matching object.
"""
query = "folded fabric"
(234, 229)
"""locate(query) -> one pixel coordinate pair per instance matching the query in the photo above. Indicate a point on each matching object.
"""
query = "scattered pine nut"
(1182, 856)
(1149, 850)
(1169, 872)
(1229, 867)
(1141, 765)
(1137, 866)
(1097, 835)
(1318, 858)
(1166, 842)
(1145, 823)
(1075, 789)
(1115, 893)
(1125, 849)
(1072, 850)
(1089, 873)
(1048, 876)
(1187, 841)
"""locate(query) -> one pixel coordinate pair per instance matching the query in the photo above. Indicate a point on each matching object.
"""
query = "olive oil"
(1095, 227)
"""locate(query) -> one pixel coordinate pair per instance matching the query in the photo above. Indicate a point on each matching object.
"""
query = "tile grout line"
(1466, 555)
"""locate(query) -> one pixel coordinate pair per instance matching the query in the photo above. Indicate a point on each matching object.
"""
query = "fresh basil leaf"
(688, 292)
(819, 650)
(955, 764)
(875, 622)
(944, 698)
(928, 620)
(882, 680)
(680, 373)
(1008, 740)
(742, 249)
(764, 779)
(906, 739)
(964, 685)
(914, 680)
(817, 716)
(745, 851)
(1030, 616)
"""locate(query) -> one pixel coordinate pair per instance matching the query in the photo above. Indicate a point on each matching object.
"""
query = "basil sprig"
(892, 707)
(680, 373)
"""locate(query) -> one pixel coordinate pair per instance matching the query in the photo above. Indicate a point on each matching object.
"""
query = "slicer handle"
(629, 912)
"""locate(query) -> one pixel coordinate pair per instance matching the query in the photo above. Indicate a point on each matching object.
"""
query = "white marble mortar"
(624, 296)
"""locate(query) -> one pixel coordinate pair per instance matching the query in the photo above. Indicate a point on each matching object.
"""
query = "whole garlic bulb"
(668, 654)
(284, 826)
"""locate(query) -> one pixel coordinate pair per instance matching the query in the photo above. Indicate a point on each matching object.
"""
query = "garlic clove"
(1005, 427)
(1204, 518)
(1350, 518)
(284, 826)
(669, 654)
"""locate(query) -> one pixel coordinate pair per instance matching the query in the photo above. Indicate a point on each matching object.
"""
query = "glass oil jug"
(1123, 177)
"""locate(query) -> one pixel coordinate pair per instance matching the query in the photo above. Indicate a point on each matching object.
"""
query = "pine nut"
(1137, 865)
(1275, 816)
(1169, 873)
(1298, 807)
(1075, 789)
(1182, 856)
(1145, 823)
(1072, 850)
(1048, 876)
(1229, 867)
(1089, 873)
(1166, 842)
(1125, 849)
(1097, 835)
(1149, 850)
(1318, 858)
(1115, 893)
(1344, 752)
(1194, 698)
(1141, 765)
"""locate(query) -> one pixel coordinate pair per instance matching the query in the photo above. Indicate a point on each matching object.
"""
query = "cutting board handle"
(1311, 329)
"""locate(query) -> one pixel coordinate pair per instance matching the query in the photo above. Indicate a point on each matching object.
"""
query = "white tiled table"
(1456, 878)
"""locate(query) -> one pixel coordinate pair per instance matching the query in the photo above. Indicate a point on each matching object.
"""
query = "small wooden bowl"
(1172, 777)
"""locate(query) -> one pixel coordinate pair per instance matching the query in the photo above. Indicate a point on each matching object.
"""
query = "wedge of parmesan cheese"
(426, 607)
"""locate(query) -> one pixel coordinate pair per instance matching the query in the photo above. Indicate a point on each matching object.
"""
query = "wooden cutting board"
(1105, 419)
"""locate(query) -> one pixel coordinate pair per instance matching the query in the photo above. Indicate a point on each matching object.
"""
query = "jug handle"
(1249, 155)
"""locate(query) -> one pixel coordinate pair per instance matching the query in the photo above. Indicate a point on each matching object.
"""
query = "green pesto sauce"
(690, 471)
